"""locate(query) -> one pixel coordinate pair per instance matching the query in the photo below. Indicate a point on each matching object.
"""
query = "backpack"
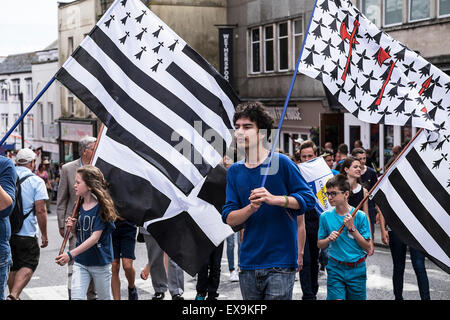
(17, 217)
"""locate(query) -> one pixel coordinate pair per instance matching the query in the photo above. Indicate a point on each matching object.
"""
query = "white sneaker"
(234, 277)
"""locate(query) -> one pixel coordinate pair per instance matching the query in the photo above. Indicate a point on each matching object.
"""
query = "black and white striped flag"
(414, 197)
(168, 115)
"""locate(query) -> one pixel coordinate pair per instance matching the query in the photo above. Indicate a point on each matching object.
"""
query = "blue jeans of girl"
(82, 277)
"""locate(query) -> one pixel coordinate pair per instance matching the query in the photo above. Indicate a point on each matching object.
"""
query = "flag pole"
(26, 111)
(294, 76)
(382, 177)
(76, 208)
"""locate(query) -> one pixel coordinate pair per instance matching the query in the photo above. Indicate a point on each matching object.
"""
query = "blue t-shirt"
(8, 178)
(33, 189)
(101, 253)
(345, 248)
(270, 236)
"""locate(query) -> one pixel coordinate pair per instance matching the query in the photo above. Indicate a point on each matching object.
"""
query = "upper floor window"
(297, 36)
(443, 8)
(29, 92)
(255, 50)
(70, 44)
(275, 47)
(4, 91)
(104, 5)
(70, 105)
(269, 55)
(283, 47)
(419, 10)
(15, 89)
(393, 12)
(51, 112)
(371, 10)
(4, 122)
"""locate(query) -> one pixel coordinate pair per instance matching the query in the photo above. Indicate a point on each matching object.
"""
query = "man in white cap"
(24, 244)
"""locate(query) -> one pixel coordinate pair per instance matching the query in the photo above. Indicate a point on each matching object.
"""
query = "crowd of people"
(281, 232)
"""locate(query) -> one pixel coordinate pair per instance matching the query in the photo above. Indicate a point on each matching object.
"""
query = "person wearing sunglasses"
(346, 268)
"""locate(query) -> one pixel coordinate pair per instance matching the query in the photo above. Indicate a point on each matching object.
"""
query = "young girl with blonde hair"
(93, 254)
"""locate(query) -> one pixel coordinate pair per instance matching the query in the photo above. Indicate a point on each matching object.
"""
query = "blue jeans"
(267, 284)
(230, 249)
(398, 252)
(82, 277)
(5, 264)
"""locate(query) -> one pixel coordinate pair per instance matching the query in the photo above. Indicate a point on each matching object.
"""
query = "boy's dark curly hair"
(338, 181)
(256, 112)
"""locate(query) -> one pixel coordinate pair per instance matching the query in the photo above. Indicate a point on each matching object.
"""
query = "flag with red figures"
(375, 77)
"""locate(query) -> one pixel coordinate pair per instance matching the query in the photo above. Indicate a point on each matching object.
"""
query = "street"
(49, 280)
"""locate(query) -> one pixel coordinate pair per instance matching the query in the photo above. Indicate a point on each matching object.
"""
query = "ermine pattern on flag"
(372, 75)
(172, 107)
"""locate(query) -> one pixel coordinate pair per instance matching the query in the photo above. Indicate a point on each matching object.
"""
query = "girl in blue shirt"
(93, 253)
(346, 268)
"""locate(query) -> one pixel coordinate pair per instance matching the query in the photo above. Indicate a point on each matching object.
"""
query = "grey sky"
(27, 25)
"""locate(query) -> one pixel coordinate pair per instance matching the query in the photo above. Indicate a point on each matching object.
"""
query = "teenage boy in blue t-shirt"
(269, 250)
(346, 268)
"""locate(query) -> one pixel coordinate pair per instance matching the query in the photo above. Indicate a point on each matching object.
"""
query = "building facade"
(75, 21)
(47, 110)
(16, 87)
(268, 38)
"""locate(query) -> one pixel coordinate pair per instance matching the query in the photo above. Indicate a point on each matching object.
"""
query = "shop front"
(72, 131)
(377, 139)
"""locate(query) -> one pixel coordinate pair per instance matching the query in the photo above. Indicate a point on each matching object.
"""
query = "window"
(419, 10)
(4, 91)
(371, 10)
(275, 47)
(41, 117)
(268, 49)
(443, 8)
(70, 105)
(70, 45)
(4, 123)
(255, 50)
(50, 111)
(29, 92)
(393, 12)
(29, 124)
(288, 138)
(15, 89)
(104, 4)
(297, 36)
(283, 47)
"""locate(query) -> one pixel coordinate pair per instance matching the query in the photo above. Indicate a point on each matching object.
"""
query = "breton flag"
(375, 77)
(168, 115)
(316, 172)
(379, 80)
(414, 197)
